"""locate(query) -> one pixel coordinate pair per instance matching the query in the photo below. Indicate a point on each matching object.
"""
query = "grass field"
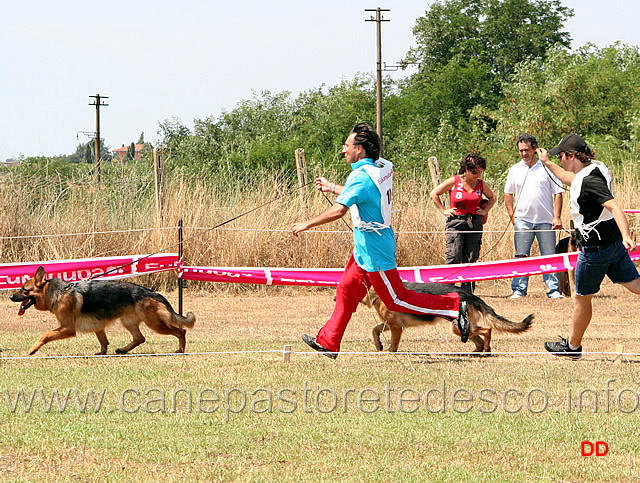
(232, 409)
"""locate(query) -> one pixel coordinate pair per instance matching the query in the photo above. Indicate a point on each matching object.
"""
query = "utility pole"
(97, 140)
(378, 19)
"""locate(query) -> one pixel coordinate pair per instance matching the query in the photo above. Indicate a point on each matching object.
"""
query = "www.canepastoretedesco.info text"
(311, 399)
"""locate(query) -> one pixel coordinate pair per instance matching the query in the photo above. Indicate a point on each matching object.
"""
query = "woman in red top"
(465, 216)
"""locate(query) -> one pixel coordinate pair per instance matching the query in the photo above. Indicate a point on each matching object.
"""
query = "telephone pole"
(97, 103)
(378, 19)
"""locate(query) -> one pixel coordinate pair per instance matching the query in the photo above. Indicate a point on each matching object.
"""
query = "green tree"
(89, 153)
(264, 132)
(131, 152)
(593, 92)
(498, 33)
(465, 50)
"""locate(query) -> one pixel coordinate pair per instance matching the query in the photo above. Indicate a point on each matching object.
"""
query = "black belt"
(598, 247)
(462, 217)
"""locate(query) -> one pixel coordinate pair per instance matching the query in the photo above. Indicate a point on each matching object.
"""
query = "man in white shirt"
(533, 198)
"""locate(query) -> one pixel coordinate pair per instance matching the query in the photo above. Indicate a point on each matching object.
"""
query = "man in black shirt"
(602, 234)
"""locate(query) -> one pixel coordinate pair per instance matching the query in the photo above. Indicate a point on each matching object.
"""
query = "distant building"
(121, 154)
(10, 162)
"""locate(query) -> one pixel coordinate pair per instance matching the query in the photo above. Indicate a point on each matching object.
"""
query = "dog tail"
(174, 319)
(496, 321)
(187, 321)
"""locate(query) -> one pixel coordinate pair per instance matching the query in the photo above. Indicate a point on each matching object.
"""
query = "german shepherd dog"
(90, 306)
(566, 245)
(479, 312)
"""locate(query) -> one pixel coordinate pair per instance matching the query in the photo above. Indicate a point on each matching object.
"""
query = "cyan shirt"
(372, 250)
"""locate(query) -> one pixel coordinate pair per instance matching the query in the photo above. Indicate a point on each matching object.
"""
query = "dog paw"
(377, 344)
(481, 353)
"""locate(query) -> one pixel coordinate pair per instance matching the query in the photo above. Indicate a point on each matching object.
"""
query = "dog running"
(479, 313)
(91, 306)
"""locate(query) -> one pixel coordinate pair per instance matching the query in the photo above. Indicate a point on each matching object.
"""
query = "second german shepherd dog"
(566, 245)
(479, 312)
(90, 306)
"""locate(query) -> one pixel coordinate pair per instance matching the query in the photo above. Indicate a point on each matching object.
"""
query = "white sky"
(157, 60)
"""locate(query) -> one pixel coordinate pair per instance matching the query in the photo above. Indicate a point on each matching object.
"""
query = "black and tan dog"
(92, 305)
(479, 313)
(566, 245)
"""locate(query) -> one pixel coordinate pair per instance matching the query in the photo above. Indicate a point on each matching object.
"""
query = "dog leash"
(331, 203)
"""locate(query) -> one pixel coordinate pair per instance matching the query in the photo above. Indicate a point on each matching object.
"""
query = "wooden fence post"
(436, 179)
(620, 350)
(158, 169)
(301, 165)
(286, 353)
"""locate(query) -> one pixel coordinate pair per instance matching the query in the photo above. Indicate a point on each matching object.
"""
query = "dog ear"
(40, 276)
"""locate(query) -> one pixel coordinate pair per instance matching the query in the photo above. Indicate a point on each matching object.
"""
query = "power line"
(97, 103)
(378, 19)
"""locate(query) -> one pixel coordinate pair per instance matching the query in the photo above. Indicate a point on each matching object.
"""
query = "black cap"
(569, 143)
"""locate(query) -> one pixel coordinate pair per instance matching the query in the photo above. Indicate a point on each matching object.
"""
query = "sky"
(159, 60)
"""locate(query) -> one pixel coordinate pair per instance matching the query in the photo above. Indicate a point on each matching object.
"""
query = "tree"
(89, 153)
(465, 50)
(498, 33)
(131, 152)
(593, 92)
(264, 132)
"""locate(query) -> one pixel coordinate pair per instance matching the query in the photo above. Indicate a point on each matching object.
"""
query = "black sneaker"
(562, 349)
(311, 342)
(462, 322)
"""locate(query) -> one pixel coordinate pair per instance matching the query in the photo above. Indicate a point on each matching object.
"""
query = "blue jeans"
(523, 237)
(595, 262)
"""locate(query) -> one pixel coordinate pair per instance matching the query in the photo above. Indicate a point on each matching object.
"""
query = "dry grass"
(116, 219)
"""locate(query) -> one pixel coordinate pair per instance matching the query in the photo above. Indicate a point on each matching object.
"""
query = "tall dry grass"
(52, 217)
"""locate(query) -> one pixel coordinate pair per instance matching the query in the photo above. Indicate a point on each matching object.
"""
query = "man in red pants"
(367, 194)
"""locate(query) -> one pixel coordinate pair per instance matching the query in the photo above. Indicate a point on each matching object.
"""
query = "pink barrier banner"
(440, 273)
(265, 276)
(13, 275)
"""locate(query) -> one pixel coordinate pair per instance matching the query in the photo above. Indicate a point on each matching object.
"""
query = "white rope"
(459, 353)
(104, 356)
(86, 233)
(436, 232)
(265, 230)
(307, 353)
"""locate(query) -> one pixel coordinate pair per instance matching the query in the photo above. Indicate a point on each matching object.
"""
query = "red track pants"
(355, 283)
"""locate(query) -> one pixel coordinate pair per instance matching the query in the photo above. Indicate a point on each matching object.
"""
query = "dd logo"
(599, 449)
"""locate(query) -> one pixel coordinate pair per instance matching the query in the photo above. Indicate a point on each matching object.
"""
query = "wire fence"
(59, 213)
